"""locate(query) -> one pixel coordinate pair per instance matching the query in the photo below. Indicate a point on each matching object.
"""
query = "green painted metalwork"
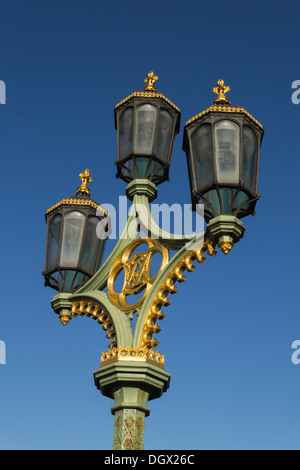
(121, 322)
(129, 430)
(133, 383)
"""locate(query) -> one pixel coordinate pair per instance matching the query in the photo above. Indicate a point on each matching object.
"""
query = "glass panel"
(91, 246)
(164, 134)
(212, 197)
(72, 238)
(144, 131)
(53, 241)
(221, 206)
(125, 133)
(148, 169)
(203, 156)
(70, 280)
(249, 158)
(127, 169)
(241, 198)
(227, 152)
(190, 167)
(141, 164)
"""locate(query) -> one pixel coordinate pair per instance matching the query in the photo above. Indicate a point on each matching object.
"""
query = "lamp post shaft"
(129, 430)
(131, 383)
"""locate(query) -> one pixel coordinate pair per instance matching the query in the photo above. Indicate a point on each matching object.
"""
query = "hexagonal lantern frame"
(221, 198)
(155, 162)
(67, 268)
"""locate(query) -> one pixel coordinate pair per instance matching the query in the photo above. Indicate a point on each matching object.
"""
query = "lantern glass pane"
(125, 133)
(221, 200)
(164, 134)
(144, 129)
(148, 169)
(240, 202)
(127, 169)
(190, 168)
(53, 243)
(72, 238)
(91, 246)
(227, 152)
(249, 158)
(203, 156)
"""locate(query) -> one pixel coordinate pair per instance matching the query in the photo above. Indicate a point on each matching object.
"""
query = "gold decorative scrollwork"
(168, 287)
(96, 312)
(137, 273)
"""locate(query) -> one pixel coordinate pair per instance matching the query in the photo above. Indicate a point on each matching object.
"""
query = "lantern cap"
(222, 104)
(82, 196)
(148, 92)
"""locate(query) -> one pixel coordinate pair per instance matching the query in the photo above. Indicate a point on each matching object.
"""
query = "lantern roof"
(148, 92)
(222, 104)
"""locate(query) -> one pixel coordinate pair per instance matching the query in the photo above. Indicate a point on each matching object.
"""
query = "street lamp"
(222, 146)
(147, 123)
(74, 252)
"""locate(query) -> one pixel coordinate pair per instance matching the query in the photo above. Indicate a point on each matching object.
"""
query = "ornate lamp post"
(222, 146)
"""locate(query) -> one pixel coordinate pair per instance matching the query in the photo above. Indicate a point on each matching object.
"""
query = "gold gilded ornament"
(85, 179)
(150, 80)
(136, 268)
(221, 90)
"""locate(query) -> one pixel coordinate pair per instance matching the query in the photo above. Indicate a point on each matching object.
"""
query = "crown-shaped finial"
(85, 179)
(220, 90)
(150, 80)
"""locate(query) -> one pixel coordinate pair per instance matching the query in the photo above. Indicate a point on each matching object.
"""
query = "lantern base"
(225, 231)
(141, 187)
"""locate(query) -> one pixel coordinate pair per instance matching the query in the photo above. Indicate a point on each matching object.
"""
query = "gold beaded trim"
(148, 95)
(81, 202)
(132, 354)
(225, 109)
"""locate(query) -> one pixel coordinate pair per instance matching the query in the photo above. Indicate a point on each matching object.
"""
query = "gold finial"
(65, 318)
(150, 80)
(225, 246)
(221, 90)
(85, 179)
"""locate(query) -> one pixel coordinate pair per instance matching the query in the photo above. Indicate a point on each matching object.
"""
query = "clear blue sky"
(227, 335)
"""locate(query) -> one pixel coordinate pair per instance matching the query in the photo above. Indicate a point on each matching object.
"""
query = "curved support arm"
(140, 218)
(119, 326)
(99, 280)
(169, 240)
